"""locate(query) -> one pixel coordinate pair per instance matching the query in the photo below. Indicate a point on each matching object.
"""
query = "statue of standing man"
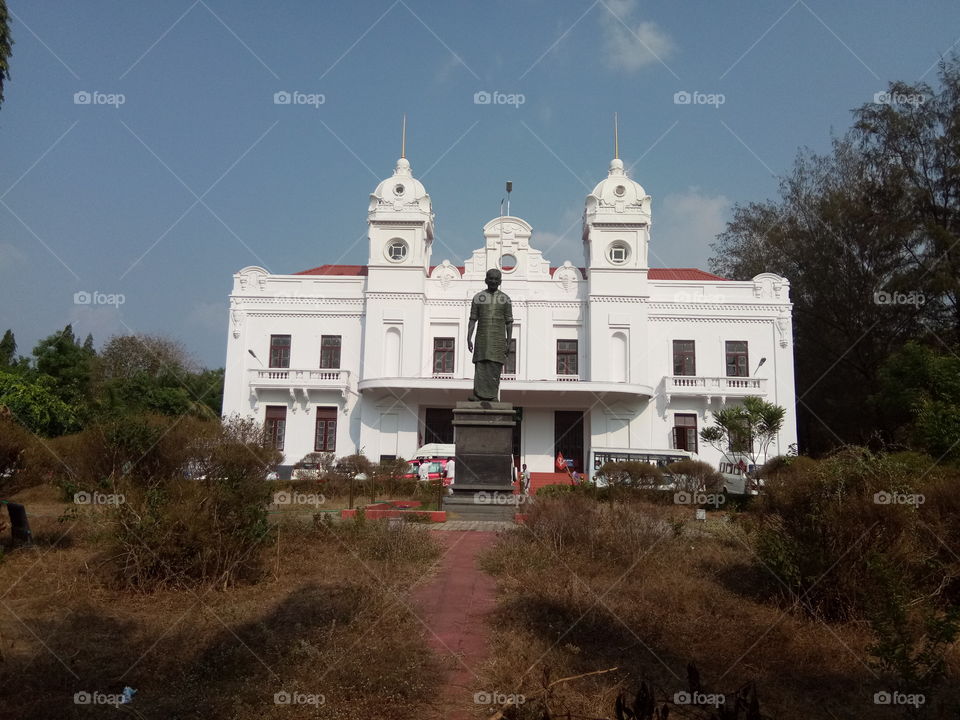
(492, 315)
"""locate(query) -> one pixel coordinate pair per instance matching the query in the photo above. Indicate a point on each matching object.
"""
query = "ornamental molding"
(618, 299)
(728, 307)
(248, 300)
(394, 296)
(305, 315)
(637, 225)
(709, 319)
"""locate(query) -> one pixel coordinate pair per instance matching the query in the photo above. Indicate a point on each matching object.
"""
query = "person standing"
(424, 471)
(525, 480)
(450, 470)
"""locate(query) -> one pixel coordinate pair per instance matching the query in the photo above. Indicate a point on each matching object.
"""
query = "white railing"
(568, 378)
(712, 385)
(300, 377)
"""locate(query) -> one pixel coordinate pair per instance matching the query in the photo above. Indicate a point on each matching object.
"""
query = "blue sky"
(198, 172)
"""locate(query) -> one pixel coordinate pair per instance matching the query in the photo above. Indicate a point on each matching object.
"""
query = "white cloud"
(630, 45)
(687, 223)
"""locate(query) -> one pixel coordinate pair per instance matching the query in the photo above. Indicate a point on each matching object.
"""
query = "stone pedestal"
(483, 435)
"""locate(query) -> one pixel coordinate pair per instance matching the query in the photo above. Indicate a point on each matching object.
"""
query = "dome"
(400, 191)
(618, 188)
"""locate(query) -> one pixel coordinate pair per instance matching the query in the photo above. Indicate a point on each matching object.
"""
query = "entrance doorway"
(568, 436)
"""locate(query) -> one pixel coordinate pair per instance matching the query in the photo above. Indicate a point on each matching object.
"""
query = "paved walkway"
(474, 525)
(455, 604)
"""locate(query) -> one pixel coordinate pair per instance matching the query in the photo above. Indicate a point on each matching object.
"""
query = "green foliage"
(8, 346)
(67, 362)
(748, 428)
(6, 45)
(35, 403)
(920, 390)
(877, 215)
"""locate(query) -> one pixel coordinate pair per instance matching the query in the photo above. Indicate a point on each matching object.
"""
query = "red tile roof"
(653, 274)
(681, 274)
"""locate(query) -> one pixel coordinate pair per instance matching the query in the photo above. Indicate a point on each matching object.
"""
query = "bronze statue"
(492, 315)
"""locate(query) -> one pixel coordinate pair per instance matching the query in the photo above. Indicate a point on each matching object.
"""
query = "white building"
(610, 355)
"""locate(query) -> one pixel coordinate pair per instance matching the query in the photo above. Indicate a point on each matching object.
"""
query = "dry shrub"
(16, 443)
(176, 531)
(379, 540)
(696, 476)
(576, 523)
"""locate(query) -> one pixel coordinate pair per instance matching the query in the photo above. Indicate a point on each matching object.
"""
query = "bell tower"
(400, 219)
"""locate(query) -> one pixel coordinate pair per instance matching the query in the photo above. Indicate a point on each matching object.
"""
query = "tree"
(868, 237)
(745, 430)
(62, 358)
(8, 346)
(920, 391)
(6, 46)
(35, 404)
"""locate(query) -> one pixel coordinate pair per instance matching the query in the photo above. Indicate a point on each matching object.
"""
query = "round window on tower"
(397, 250)
(508, 263)
(619, 191)
(618, 253)
(398, 189)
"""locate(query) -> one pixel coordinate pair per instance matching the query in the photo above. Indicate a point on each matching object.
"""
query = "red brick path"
(455, 604)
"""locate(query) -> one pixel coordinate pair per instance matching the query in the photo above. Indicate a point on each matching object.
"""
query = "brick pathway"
(455, 604)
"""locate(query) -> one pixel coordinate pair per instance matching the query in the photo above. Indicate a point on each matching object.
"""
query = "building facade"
(609, 355)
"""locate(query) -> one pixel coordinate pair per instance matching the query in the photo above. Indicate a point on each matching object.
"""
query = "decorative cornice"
(618, 299)
(253, 300)
(728, 307)
(377, 295)
(709, 319)
(305, 315)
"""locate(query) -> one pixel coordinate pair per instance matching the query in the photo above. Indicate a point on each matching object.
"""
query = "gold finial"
(616, 139)
(403, 138)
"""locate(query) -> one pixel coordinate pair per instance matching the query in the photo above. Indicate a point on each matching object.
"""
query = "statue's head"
(493, 279)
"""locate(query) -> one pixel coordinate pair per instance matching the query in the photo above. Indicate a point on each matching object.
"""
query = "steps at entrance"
(542, 479)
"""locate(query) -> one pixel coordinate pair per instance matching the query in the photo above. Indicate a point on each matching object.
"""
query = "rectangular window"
(685, 432)
(330, 351)
(510, 366)
(738, 364)
(276, 425)
(279, 351)
(567, 357)
(443, 350)
(684, 357)
(325, 438)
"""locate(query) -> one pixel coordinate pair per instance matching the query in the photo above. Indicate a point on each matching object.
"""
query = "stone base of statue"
(483, 435)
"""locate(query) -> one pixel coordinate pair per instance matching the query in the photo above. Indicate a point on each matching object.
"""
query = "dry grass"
(590, 586)
(326, 618)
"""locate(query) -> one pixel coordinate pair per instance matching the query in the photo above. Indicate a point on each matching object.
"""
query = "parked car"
(437, 455)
